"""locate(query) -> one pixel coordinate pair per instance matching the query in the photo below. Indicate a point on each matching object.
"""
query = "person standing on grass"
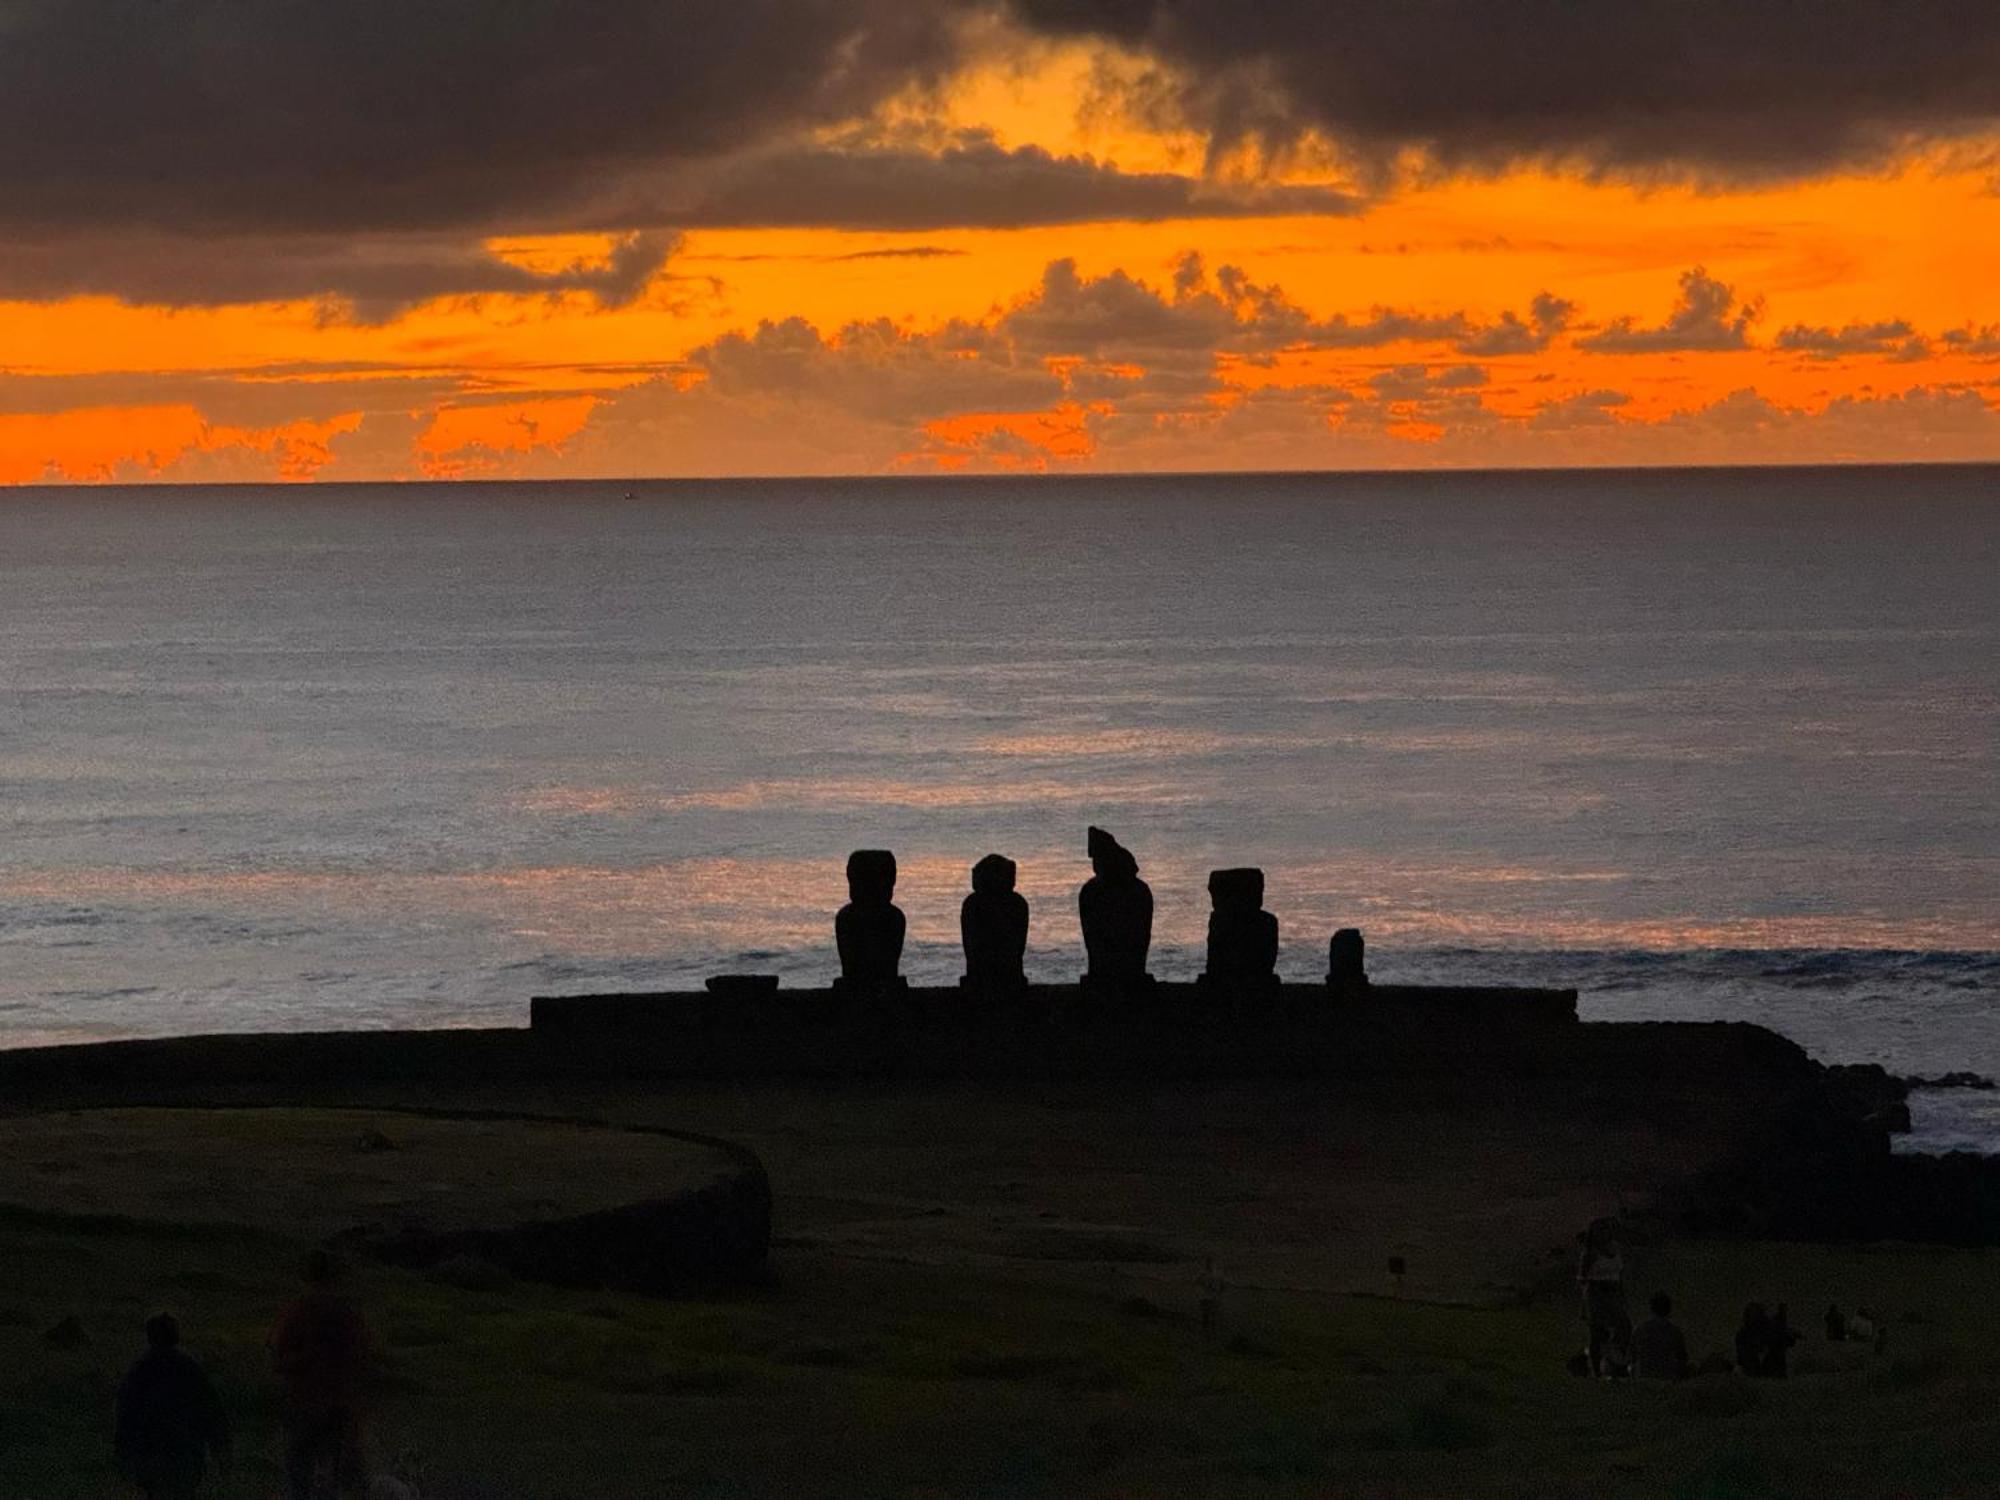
(320, 1348)
(1600, 1272)
(1212, 1287)
(170, 1420)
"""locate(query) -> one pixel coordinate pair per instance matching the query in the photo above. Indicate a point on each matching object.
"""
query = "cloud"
(1980, 342)
(1708, 89)
(1706, 318)
(970, 183)
(372, 279)
(1585, 409)
(212, 117)
(1548, 316)
(1893, 336)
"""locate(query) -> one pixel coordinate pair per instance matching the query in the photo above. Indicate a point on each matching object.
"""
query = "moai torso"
(993, 925)
(869, 929)
(1242, 937)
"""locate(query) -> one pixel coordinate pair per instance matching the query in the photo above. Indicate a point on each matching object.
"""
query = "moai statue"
(1242, 936)
(869, 929)
(1116, 909)
(1346, 972)
(993, 924)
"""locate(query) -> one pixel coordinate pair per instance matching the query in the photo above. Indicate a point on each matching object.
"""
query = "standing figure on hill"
(1116, 909)
(1600, 1272)
(1242, 936)
(169, 1418)
(993, 925)
(869, 929)
(321, 1349)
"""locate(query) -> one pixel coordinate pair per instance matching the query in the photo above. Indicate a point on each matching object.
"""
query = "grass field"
(1003, 1301)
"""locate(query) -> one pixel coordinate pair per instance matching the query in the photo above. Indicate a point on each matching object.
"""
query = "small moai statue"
(1242, 936)
(1116, 909)
(869, 929)
(993, 925)
(1346, 970)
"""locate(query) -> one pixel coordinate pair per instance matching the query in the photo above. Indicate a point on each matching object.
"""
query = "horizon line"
(89, 486)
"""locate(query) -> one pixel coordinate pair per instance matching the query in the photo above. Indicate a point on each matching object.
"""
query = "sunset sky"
(369, 239)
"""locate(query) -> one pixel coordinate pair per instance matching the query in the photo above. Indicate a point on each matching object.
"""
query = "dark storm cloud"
(370, 279)
(331, 116)
(1709, 88)
(972, 183)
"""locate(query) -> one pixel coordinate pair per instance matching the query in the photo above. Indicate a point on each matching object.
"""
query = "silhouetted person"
(1242, 936)
(869, 929)
(1600, 1274)
(169, 1418)
(1116, 909)
(1753, 1341)
(1659, 1350)
(993, 924)
(1862, 1328)
(320, 1347)
(1777, 1360)
(1212, 1288)
(1836, 1323)
(1346, 963)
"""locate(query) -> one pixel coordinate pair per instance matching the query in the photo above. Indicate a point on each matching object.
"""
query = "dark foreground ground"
(990, 1288)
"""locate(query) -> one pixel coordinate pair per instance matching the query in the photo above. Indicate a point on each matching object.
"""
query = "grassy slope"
(862, 1377)
(945, 1319)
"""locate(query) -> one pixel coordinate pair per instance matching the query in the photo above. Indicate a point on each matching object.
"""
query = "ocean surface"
(1704, 744)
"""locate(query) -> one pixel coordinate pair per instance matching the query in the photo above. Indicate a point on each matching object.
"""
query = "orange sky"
(1832, 317)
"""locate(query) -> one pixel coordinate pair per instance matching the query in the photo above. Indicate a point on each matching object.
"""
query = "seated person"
(1659, 1352)
(1861, 1327)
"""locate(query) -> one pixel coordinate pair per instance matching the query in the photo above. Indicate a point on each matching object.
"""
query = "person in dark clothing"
(1753, 1340)
(1777, 1359)
(1659, 1351)
(1836, 1323)
(170, 1420)
(320, 1346)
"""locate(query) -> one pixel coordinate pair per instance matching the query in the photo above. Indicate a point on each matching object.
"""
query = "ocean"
(1702, 743)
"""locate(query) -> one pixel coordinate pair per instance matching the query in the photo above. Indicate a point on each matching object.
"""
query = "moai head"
(1110, 858)
(1236, 891)
(871, 877)
(993, 875)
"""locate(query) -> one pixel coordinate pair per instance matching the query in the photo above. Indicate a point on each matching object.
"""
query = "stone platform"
(1168, 1030)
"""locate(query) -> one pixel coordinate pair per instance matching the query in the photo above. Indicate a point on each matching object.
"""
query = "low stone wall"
(712, 1236)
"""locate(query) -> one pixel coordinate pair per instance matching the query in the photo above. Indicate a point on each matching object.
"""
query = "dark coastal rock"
(1115, 908)
(1242, 937)
(1952, 1199)
(1871, 1092)
(1346, 962)
(869, 929)
(1953, 1080)
(993, 926)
